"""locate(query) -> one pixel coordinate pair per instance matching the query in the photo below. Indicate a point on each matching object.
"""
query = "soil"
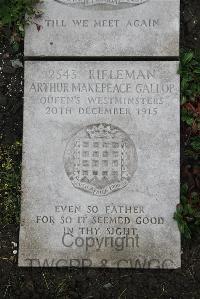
(18, 282)
(190, 24)
(90, 283)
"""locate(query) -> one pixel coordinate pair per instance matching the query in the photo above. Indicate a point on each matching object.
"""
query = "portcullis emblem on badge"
(100, 159)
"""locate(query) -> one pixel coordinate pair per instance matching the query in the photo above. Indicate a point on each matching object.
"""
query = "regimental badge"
(102, 4)
(100, 159)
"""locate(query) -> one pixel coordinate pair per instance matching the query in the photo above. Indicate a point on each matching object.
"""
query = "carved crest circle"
(100, 159)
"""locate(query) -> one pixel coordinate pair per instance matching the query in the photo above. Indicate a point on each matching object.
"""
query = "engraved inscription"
(100, 159)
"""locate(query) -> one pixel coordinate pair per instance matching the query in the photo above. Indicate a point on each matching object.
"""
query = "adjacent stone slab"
(100, 164)
(105, 28)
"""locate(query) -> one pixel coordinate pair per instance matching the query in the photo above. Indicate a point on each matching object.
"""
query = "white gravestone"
(105, 28)
(100, 165)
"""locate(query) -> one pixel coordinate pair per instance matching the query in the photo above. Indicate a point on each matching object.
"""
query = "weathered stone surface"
(100, 164)
(129, 28)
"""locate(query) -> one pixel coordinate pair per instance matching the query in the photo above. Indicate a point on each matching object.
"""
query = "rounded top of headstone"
(101, 4)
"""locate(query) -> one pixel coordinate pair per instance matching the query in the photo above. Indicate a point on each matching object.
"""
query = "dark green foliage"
(195, 143)
(187, 117)
(10, 183)
(188, 212)
(190, 76)
(190, 99)
(15, 14)
(192, 148)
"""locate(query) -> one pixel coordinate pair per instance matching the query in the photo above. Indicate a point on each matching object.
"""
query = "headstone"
(100, 164)
(105, 28)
